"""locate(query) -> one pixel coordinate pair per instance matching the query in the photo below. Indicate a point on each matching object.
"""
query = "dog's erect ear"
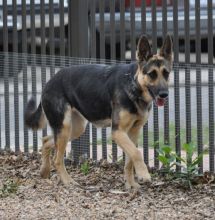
(144, 51)
(166, 49)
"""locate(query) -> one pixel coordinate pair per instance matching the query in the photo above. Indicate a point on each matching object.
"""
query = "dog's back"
(88, 88)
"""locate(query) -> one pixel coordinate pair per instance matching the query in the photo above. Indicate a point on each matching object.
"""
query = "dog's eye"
(165, 74)
(153, 74)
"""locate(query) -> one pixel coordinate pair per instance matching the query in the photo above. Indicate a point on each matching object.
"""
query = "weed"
(9, 187)
(189, 165)
(167, 157)
(119, 158)
(85, 168)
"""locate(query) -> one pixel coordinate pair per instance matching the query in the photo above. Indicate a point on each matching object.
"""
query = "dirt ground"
(101, 194)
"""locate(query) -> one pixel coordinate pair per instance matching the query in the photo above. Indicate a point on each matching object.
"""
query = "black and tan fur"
(119, 96)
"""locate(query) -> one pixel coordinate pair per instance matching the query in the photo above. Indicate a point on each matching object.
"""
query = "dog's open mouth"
(160, 101)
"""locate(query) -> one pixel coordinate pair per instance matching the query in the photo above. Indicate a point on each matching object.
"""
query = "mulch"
(100, 194)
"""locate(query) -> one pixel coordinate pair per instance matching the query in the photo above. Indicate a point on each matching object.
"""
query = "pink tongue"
(160, 102)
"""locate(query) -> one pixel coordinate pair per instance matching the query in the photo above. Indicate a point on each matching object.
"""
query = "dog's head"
(153, 70)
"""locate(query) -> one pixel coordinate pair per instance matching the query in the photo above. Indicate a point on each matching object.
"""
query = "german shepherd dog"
(119, 96)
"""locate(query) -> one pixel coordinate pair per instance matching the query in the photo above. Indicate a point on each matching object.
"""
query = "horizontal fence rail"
(39, 39)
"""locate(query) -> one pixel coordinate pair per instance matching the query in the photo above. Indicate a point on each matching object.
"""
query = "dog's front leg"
(129, 174)
(122, 139)
(129, 166)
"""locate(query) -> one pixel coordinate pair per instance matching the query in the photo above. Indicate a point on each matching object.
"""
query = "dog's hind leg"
(78, 125)
(73, 126)
(48, 144)
(62, 137)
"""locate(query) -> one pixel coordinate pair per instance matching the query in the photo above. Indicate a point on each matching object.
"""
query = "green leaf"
(189, 148)
(160, 151)
(180, 159)
(166, 149)
(197, 160)
(163, 160)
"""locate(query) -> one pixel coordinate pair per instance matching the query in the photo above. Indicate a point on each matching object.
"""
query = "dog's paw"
(69, 181)
(130, 186)
(45, 172)
(145, 178)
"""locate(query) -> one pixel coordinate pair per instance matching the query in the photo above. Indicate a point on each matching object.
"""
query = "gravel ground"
(100, 195)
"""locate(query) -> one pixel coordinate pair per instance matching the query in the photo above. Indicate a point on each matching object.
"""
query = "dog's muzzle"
(159, 99)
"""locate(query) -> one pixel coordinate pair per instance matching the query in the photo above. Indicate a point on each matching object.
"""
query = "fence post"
(78, 47)
(78, 23)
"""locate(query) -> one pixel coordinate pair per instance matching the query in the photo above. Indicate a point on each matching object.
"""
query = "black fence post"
(78, 42)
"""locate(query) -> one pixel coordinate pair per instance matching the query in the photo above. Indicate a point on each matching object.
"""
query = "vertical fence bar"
(112, 30)
(93, 55)
(166, 106)
(143, 16)
(102, 30)
(113, 57)
(132, 23)
(24, 67)
(187, 70)
(94, 142)
(122, 30)
(83, 52)
(73, 46)
(176, 82)
(145, 128)
(87, 138)
(33, 65)
(51, 37)
(6, 77)
(76, 150)
(62, 32)
(70, 5)
(73, 28)
(15, 72)
(198, 84)
(43, 50)
(210, 86)
(102, 56)
(122, 37)
(83, 28)
(155, 118)
(0, 129)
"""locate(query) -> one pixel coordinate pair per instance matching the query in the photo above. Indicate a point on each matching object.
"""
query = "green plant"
(85, 168)
(189, 164)
(167, 157)
(119, 158)
(9, 187)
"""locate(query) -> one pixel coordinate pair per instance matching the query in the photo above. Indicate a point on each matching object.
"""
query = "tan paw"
(130, 186)
(67, 180)
(144, 178)
(45, 172)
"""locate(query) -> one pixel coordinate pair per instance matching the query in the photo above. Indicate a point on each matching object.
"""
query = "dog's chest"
(102, 123)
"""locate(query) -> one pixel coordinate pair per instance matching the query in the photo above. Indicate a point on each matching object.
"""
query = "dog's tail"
(34, 117)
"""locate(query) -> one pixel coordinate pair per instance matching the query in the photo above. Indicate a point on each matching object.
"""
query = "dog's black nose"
(163, 94)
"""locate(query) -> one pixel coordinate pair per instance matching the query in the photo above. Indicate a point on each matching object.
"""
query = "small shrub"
(85, 168)
(167, 157)
(189, 165)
